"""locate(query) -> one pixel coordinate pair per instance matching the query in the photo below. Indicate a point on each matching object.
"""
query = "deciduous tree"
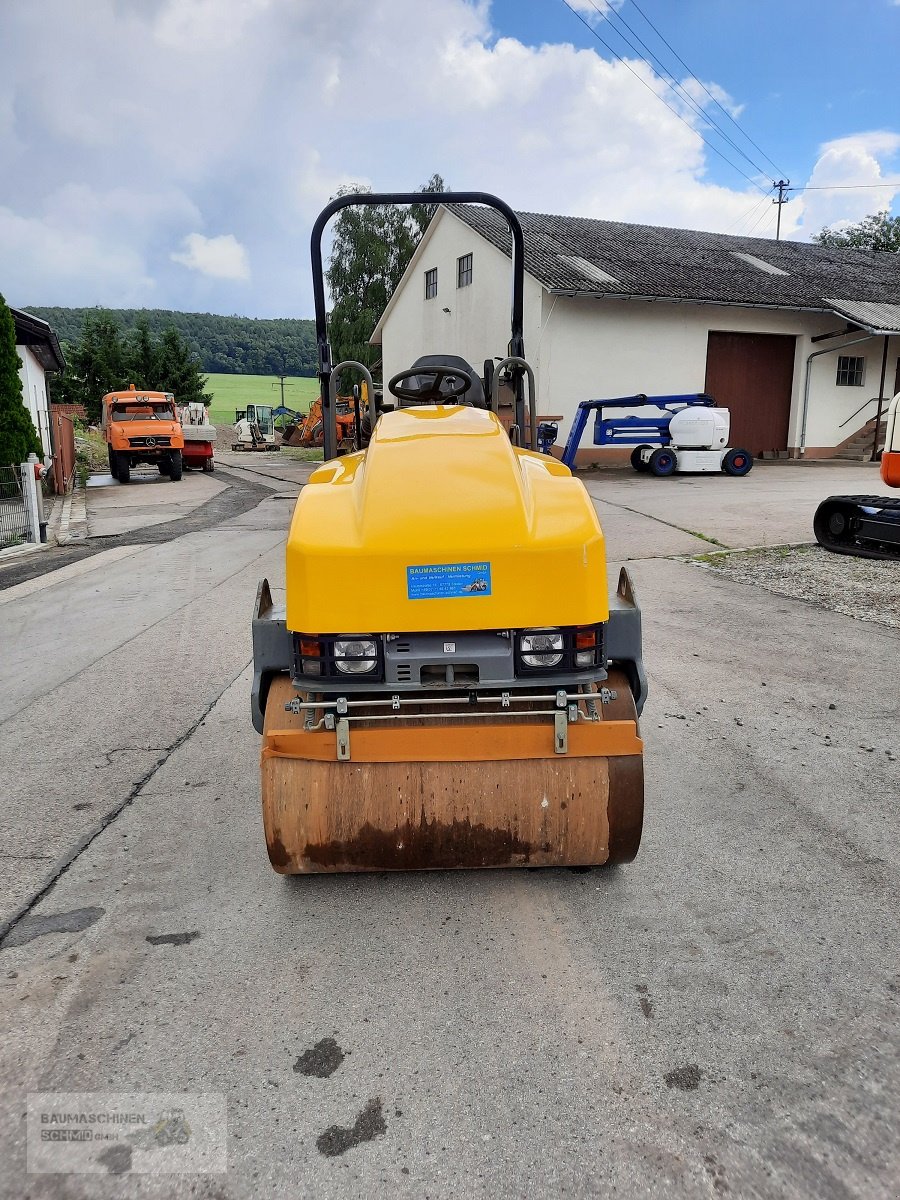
(880, 231)
(371, 249)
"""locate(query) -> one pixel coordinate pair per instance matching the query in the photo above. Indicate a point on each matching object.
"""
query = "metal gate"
(15, 526)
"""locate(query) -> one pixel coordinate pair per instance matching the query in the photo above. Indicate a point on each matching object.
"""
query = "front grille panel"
(149, 442)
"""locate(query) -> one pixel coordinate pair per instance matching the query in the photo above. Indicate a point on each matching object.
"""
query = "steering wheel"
(428, 386)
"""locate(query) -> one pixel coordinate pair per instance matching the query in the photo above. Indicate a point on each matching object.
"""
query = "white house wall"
(831, 406)
(478, 323)
(597, 348)
(586, 348)
(34, 394)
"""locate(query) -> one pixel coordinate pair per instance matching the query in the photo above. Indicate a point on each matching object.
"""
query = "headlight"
(541, 647)
(355, 656)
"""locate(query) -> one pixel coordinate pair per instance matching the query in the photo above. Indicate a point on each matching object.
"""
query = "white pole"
(29, 495)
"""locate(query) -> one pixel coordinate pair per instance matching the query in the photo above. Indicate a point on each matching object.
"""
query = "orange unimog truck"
(142, 427)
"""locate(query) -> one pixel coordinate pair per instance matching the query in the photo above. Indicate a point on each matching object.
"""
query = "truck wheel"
(124, 472)
(737, 462)
(636, 461)
(163, 466)
(113, 462)
(208, 465)
(663, 461)
(175, 466)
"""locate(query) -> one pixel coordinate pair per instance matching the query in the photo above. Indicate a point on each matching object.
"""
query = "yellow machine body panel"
(442, 524)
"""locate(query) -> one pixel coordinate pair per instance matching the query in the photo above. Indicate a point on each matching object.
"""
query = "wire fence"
(14, 523)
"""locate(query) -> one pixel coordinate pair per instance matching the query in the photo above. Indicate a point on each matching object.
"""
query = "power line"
(618, 57)
(715, 101)
(735, 225)
(675, 85)
(749, 232)
(844, 187)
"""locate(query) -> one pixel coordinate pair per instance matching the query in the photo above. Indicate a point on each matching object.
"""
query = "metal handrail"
(518, 364)
(871, 400)
(332, 387)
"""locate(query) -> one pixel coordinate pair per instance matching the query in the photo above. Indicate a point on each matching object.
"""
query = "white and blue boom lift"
(687, 433)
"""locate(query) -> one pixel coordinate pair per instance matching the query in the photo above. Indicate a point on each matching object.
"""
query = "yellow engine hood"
(443, 525)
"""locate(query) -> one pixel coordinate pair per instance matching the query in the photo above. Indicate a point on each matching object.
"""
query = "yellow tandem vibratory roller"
(452, 682)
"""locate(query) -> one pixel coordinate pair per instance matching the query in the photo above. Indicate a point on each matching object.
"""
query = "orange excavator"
(310, 431)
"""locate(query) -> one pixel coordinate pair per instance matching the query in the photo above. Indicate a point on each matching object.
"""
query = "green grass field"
(231, 392)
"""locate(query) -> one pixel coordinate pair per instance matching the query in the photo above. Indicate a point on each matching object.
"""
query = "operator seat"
(474, 397)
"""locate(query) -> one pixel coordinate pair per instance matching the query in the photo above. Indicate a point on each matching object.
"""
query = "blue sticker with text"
(443, 581)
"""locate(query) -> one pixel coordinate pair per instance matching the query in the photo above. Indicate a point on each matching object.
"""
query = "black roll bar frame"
(325, 368)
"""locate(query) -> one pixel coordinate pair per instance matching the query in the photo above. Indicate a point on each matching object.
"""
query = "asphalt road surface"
(718, 1018)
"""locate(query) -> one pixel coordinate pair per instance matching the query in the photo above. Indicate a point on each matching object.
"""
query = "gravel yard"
(864, 588)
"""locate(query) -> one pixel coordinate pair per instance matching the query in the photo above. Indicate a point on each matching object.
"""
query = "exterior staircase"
(858, 448)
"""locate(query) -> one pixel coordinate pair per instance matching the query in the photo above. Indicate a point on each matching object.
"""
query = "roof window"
(759, 263)
(588, 269)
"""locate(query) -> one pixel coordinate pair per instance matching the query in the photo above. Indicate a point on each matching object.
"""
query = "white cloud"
(595, 11)
(42, 263)
(214, 24)
(312, 185)
(85, 245)
(220, 257)
(129, 126)
(858, 159)
(706, 93)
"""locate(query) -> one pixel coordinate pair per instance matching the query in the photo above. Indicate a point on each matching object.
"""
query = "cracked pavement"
(719, 1017)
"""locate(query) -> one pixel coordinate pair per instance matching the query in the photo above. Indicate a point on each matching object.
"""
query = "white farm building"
(799, 341)
(39, 353)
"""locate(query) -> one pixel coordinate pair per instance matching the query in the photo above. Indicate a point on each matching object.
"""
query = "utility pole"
(281, 379)
(783, 185)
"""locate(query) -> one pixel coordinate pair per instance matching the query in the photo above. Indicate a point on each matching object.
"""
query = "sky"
(174, 153)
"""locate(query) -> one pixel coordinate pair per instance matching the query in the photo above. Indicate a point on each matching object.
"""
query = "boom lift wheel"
(663, 461)
(636, 461)
(737, 462)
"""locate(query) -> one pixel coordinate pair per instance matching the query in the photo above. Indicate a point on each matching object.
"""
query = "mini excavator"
(868, 526)
(452, 682)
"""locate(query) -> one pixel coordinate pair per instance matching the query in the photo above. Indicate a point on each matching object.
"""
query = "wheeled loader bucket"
(433, 793)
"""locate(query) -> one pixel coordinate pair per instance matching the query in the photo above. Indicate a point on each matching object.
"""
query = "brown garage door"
(752, 374)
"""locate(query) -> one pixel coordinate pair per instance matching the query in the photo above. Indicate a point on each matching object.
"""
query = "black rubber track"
(861, 547)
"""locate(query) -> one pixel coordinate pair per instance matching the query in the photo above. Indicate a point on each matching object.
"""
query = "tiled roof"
(885, 318)
(687, 264)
